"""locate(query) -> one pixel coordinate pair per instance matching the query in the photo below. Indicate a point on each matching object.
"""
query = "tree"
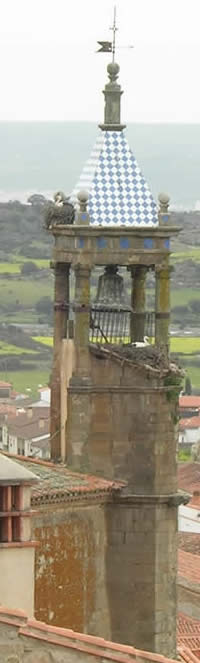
(44, 305)
(29, 268)
(37, 199)
(188, 386)
(195, 305)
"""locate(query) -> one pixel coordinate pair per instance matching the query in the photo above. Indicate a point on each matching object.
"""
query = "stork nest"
(149, 355)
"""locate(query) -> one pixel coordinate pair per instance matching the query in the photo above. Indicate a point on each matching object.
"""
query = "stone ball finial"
(164, 199)
(83, 199)
(113, 70)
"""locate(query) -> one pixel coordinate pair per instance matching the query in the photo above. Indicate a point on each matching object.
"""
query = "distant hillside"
(22, 231)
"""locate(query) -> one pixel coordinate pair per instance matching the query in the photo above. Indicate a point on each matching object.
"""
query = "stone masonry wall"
(123, 427)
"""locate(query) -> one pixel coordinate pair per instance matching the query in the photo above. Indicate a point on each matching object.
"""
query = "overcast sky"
(50, 71)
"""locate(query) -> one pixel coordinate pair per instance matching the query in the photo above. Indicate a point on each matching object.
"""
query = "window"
(10, 503)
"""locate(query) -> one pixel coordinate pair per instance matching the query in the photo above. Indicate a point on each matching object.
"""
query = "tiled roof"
(58, 484)
(28, 426)
(189, 542)
(5, 384)
(31, 430)
(188, 632)
(195, 502)
(189, 566)
(189, 477)
(11, 472)
(189, 401)
(191, 422)
(118, 193)
(6, 408)
(93, 647)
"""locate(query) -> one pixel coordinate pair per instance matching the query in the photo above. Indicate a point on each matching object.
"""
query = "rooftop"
(189, 542)
(5, 384)
(118, 193)
(188, 631)
(189, 566)
(189, 477)
(31, 424)
(14, 473)
(93, 647)
(189, 401)
(190, 422)
(58, 484)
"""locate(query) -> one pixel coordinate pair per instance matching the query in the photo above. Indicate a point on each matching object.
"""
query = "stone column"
(82, 319)
(138, 275)
(61, 301)
(80, 387)
(162, 305)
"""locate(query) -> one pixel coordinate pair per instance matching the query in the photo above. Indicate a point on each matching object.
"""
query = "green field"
(184, 345)
(47, 340)
(15, 266)
(8, 349)
(24, 292)
(22, 381)
(193, 373)
(188, 254)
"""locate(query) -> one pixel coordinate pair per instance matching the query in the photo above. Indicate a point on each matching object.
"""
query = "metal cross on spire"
(114, 29)
(109, 46)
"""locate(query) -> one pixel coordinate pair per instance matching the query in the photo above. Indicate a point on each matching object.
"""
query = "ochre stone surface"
(70, 580)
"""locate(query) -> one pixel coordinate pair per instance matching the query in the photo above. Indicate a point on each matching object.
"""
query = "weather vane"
(109, 46)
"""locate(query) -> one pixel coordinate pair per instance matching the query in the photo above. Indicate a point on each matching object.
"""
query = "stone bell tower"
(121, 394)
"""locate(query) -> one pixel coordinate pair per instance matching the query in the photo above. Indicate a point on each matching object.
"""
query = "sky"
(50, 70)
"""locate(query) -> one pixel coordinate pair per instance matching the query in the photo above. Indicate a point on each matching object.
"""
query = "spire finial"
(114, 29)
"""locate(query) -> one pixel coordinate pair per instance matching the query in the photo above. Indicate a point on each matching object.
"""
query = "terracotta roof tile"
(189, 401)
(190, 422)
(189, 542)
(189, 566)
(30, 431)
(195, 501)
(189, 477)
(188, 631)
(58, 484)
(188, 635)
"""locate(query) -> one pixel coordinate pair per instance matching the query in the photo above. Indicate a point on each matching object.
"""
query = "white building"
(189, 430)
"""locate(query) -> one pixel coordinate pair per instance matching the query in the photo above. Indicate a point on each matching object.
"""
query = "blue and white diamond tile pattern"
(118, 193)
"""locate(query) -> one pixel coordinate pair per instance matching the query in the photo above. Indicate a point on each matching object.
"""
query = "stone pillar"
(138, 275)
(112, 94)
(142, 540)
(163, 212)
(82, 319)
(162, 305)
(61, 302)
(80, 387)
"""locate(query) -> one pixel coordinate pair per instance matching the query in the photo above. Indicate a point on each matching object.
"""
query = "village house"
(189, 406)
(26, 433)
(189, 430)
(5, 389)
(189, 482)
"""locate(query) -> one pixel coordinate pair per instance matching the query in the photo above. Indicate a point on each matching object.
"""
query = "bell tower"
(121, 389)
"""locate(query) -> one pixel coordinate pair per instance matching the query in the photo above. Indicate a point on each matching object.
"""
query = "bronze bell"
(110, 316)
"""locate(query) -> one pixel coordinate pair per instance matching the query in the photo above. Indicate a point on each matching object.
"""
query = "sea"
(43, 157)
